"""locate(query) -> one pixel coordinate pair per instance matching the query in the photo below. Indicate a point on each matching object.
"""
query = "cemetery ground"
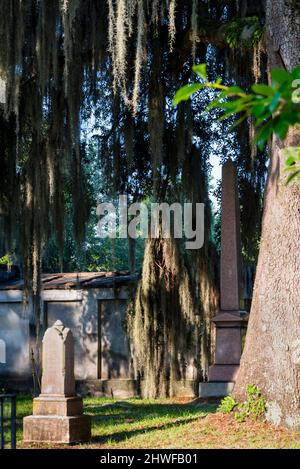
(166, 423)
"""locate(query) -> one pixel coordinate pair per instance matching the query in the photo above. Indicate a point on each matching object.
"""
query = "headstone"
(230, 320)
(58, 411)
(58, 361)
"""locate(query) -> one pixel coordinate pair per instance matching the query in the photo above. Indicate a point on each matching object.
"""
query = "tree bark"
(271, 357)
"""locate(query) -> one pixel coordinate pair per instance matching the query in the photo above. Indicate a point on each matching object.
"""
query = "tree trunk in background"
(271, 358)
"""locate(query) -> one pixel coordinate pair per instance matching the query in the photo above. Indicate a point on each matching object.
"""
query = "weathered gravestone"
(58, 411)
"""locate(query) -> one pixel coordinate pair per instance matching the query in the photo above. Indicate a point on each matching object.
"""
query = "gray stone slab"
(215, 389)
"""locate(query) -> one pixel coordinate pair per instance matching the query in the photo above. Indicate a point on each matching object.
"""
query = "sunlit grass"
(116, 421)
(168, 423)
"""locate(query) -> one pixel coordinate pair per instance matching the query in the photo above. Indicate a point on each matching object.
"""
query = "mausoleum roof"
(71, 280)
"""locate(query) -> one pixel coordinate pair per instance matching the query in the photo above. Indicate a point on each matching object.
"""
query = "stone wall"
(90, 314)
(14, 333)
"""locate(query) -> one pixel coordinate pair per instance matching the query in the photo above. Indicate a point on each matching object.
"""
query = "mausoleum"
(93, 307)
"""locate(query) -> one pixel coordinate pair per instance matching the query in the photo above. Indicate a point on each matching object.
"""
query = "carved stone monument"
(58, 411)
(230, 320)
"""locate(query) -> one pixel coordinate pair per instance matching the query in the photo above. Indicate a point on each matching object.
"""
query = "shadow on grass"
(148, 416)
(125, 435)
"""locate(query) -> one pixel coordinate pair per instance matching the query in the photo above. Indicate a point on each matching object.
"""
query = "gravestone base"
(223, 373)
(57, 429)
(121, 388)
(215, 389)
(229, 330)
(58, 405)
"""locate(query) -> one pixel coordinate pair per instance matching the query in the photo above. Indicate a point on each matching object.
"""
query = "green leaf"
(226, 115)
(274, 102)
(296, 72)
(290, 161)
(292, 176)
(201, 71)
(264, 135)
(264, 90)
(289, 117)
(184, 93)
(279, 76)
(233, 90)
(292, 152)
(230, 105)
(262, 119)
(214, 105)
(281, 128)
(258, 110)
(285, 90)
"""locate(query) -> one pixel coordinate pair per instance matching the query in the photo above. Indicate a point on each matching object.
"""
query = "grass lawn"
(168, 423)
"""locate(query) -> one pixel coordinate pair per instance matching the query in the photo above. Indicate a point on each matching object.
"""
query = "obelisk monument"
(230, 320)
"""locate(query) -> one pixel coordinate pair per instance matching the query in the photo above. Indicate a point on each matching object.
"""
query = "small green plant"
(7, 259)
(254, 406)
(227, 405)
(292, 163)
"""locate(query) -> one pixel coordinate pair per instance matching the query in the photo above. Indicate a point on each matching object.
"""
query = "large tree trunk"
(271, 358)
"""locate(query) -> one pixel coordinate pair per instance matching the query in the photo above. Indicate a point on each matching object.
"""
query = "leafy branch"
(275, 108)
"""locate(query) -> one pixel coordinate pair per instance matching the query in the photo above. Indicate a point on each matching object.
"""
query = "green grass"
(137, 420)
(168, 423)
(24, 407)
